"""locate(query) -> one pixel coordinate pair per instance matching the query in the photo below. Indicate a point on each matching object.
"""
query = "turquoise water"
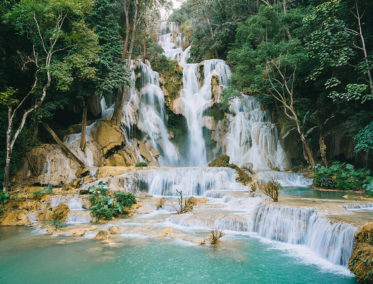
(314, 193)
(30, 258)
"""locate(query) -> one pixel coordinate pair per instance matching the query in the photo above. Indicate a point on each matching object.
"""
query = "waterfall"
(304, 226)
(252, 140)
(78, 214)
(285, 179)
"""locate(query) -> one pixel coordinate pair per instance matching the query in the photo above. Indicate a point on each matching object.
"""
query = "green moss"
(215, 111)
(221, 161)
(171, 77)
(178, 125)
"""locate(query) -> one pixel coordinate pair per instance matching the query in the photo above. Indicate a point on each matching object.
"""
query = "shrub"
(271, 188)
(340, 176)
(105, 206)
(126, 199)
(215, 236)
(57, 224)
(141, 164)
(4, 198)
(368, 187)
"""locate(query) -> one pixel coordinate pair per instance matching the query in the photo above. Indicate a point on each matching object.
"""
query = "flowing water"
(42, 259)
(262, 242)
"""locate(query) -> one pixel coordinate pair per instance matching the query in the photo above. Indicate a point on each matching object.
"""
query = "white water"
(285, 179)
(252, 140)
(304, 226)
(152, 116)
(78, 214)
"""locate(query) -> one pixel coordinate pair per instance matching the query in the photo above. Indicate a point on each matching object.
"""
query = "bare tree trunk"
(306, 146)
(84, 126)
(144, 47)
(8, 152)
(128, 28)
(63, 146)
(323, 150)
(363, 47)
(133, 33)
(119, 106)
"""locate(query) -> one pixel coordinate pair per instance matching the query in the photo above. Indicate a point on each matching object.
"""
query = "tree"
(61, 44)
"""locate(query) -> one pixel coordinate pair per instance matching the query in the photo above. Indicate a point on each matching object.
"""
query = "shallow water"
(314, 193)
(28, 257)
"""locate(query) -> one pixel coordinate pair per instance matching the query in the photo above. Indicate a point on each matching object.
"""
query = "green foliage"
(141, 164)
(39, 193)
(340, 176)
(57, 224)
(364, 139)
(4, 198)
(126, 199)
(105, 206)
(368, 187)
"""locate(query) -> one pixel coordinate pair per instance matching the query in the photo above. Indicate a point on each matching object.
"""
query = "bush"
(340, 176)
(57, 224)
(126, 199)
(270, 188)
(4, 198)
(368, 187)
(141, 164)
(105, 206)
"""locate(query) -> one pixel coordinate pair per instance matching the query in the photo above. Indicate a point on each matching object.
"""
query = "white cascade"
(78, 214)
(191, 181)
(304, 226)
(252, 140)
(285, 179)
(152, 116)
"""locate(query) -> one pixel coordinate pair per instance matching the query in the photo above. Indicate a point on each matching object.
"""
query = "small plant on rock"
(271, 188)
(4, 198)
(57, 224)
(141, 164)
(215, 236)
(105, 206)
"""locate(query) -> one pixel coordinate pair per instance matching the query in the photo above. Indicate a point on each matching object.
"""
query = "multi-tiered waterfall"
(245, 133)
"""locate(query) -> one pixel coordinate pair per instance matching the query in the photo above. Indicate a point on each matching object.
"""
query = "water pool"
(27, 257)
(314, 193)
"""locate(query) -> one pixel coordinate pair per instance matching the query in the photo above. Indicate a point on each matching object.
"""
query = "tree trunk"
(119, 106)
(63, 146)
(128, 27)
(363, 47)
(84, 126)
(144, 45)
(133, 34)
(323, 150)
(8, 150)
(306, 146)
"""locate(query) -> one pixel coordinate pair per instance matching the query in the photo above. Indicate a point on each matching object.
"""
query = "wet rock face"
(108, 136)
(15, 218)
(221, 161)
(361, 261)
(57, 213)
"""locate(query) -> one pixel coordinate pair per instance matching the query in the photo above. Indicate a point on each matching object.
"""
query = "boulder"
(177, 106)
(361, 261)
(110, 171)
(114, 230)
(165, 232)
(144, 152)
(60, 212)
(221, 161)
(102, 235)
(14, 218)
(215, 88)
(209, 122)
(115, 160)
(107, 135)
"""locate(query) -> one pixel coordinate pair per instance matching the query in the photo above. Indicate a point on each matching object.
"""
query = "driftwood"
(63, 146)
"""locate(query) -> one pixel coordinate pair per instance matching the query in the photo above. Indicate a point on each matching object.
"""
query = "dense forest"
(309, 62)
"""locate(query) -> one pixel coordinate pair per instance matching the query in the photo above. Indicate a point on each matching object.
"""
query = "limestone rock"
(221, 161)
(144, 152)
(115, 160)
(102, 235)
(107, 135)
(130, 156)
(216, 89)
(60, 213)
(114, 230)
(177, 106)
(15, 218)
(209, 122)
(165, 232)
(361, 261)
(94, 106)
(111, 171)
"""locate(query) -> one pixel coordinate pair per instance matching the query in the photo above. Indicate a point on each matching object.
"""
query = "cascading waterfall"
(305, 226)
(191, 181)
(152, 116)
(252, 140)
(285, 179)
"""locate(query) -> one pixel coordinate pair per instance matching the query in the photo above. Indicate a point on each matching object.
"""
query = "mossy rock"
(361, 261)
(221, 161)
